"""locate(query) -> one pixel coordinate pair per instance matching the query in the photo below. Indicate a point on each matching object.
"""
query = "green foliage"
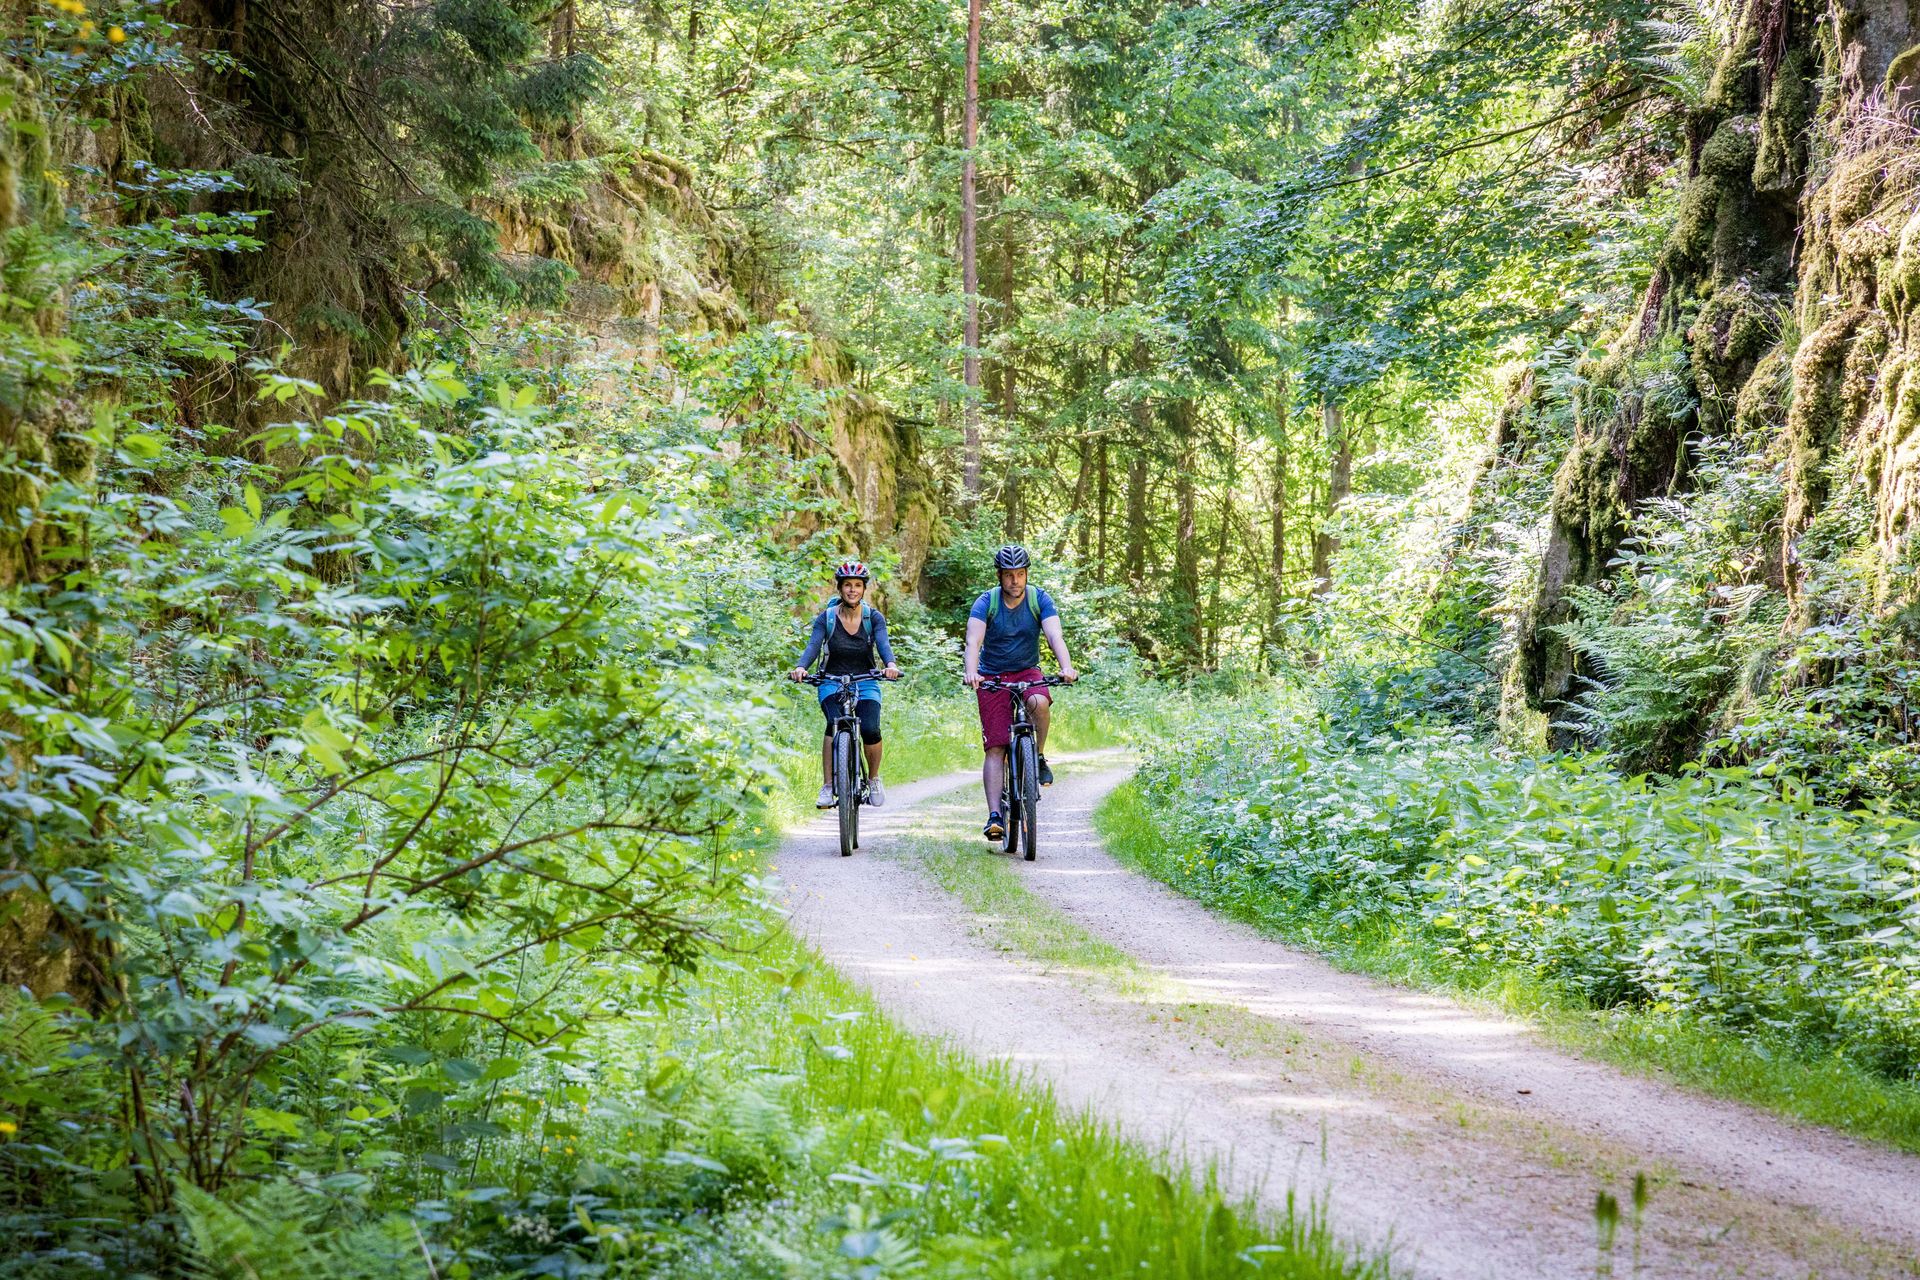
(1720, 894)
(777, 1124)
(400, 731)
(1689, 619)
(282, 1230)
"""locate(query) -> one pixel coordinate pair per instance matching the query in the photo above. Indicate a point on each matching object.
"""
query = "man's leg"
(1040, 710)
(992, 770)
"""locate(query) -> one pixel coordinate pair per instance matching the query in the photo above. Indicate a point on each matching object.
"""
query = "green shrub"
(1722, 893)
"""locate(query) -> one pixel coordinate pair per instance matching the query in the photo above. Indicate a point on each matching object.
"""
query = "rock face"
(1784, 300)
(39, 422)
(651, 258)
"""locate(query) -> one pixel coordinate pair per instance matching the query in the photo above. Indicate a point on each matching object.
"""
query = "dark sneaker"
(1046, 774)
(993, 830)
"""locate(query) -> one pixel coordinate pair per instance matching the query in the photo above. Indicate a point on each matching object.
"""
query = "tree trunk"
(1100, 504)
(1339, 480)
(1277, 565)
(1003, 321)
(969, 264)
(1077, 521)
(1186, 547)
(1220, 551)
(1137, 518)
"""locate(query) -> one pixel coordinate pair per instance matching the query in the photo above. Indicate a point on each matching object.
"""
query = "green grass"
(807, 1134)
(1780, 1076)
(990, 887)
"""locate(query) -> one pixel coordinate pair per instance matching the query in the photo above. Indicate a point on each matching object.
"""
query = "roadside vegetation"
(1741, 938)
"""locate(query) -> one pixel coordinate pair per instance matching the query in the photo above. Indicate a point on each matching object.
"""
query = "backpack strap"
(866, 618)
(993, 603)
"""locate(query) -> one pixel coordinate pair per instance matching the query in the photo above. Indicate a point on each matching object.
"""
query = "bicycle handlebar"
(819, 678)
(1021, 686)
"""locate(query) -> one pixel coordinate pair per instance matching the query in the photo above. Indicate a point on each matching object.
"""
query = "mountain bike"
(849, 761)
(1020, 787)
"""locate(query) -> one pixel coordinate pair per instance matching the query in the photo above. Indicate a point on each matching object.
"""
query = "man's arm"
(970, 662)
(1057, 641)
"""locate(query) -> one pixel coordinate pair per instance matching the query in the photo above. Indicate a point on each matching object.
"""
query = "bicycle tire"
(1029, 799)
(1010, 808)
(849, 799)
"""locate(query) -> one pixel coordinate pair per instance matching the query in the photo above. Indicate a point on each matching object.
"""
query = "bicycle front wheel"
(843, 785)
(1029, 801)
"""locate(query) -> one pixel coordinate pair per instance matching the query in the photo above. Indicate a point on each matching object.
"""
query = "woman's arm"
(814, 642)
(880, 644)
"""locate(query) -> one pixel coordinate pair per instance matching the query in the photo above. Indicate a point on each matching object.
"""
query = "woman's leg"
(826, 744)
(869, 713)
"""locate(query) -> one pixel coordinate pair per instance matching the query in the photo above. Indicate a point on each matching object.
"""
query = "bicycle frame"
(1014, 800)
(847, 722)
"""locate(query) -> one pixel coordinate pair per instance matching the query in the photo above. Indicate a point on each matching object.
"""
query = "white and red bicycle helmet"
(852, 569)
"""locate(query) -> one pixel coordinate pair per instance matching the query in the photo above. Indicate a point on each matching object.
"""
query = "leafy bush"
(413, 744)
(1722, 893)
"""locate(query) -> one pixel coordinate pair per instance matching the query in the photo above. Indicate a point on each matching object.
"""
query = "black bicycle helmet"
(1011, 556)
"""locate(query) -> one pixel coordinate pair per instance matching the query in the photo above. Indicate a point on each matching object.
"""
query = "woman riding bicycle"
(851, 633)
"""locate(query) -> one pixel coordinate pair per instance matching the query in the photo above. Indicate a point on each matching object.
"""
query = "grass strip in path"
(1780, 1077)
(819, 1138)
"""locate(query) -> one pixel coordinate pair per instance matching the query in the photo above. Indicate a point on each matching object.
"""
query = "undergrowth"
(1801, 1075)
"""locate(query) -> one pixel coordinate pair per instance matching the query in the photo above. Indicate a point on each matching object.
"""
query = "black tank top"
(848, 653)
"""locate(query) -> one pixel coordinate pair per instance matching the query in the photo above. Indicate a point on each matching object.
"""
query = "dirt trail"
(1447, 1136)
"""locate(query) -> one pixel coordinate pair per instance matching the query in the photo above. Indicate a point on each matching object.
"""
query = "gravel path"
(1449, 1137)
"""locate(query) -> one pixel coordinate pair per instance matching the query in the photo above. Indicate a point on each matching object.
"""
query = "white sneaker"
(825, 800)
(876, 794)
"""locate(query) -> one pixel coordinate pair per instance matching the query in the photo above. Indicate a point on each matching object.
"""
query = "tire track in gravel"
(1448, 1136)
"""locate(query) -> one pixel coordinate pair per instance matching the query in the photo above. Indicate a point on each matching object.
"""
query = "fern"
(1684, 624)
(1688, 46)
(31, 1037)
(280, 1233)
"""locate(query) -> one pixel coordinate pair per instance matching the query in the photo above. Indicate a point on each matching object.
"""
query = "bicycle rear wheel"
(849, 799)
(1029, 799)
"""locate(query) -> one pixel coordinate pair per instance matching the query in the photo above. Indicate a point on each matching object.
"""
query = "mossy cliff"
(40, 418)
(645, 256)
(375, 223)
(1780, 313)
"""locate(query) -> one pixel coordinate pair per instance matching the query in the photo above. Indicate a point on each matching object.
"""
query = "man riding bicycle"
(850, 632)
(1003, 643)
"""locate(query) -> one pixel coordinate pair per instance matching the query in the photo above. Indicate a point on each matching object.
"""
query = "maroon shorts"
(996, 707)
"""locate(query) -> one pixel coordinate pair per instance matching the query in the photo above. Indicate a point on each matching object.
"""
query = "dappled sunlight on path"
(1446, 1133)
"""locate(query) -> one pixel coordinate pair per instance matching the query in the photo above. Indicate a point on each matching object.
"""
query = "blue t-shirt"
(1013, 633)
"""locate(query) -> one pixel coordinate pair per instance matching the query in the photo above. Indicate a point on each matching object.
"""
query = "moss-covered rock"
(1734, 328)
(1830, 390)
(1781, 159)
(1730, 152)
